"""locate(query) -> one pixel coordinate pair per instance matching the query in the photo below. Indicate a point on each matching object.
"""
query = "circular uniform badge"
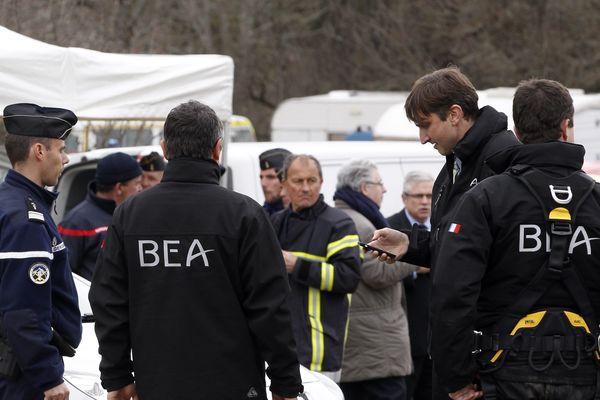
(39, 273)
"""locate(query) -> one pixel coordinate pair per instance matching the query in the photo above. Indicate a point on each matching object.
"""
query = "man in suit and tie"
(417, 210)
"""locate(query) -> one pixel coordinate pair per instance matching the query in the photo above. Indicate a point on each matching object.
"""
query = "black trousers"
(393, 388)
(19, 389)
(497, 389)
(438, 393)
(418, 384)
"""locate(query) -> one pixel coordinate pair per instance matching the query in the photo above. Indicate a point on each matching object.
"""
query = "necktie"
(456, 169)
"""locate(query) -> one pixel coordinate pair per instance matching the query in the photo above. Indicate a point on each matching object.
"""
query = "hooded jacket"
(497, 245)
(488, 135)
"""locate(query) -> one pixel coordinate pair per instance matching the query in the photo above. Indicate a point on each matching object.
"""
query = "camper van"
(331, 116)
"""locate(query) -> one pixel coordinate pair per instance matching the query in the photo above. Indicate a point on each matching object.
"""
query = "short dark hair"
(293, 157)
(17, 146)
(104, 188)
(437, 91)
(191, 130)
(539, 108)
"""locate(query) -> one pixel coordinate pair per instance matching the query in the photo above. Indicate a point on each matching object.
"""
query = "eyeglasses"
(374, 183)
(418, 195)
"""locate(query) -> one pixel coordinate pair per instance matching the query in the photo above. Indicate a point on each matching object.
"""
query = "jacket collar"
(488, 121)
(187, 169)
(549, 154)
(16, 179)
(105, 204)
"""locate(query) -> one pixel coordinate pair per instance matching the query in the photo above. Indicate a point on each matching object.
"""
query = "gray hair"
(354, 174)
(414, 177)
(302, 157)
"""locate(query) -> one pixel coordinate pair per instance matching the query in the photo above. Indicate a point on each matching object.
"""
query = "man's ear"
(564, 130)
(455, 114)
(163, 146)
(216, 152)
(363, 188)
(118, 188)
(37, 150)
(518, 134)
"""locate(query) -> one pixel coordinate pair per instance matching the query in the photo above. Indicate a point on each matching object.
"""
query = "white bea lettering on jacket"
(153, 253)
(530, 239)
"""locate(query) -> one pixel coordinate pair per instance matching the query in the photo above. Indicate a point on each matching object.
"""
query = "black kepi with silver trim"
(27, 119)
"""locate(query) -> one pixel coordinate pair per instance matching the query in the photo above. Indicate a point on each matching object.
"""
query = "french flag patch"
(454, 228)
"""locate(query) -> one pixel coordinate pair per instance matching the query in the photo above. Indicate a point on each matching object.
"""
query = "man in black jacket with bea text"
(192, 282)
(517, 300)
(521, 266)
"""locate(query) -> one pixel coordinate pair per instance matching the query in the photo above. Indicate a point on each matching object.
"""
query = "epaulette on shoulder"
(33, 213)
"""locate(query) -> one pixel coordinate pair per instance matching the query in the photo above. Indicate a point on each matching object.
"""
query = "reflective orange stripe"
(81, 232)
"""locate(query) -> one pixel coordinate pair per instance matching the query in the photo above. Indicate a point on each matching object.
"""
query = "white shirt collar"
(413, 221)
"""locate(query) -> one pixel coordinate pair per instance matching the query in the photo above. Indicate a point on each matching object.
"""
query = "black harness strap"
(559, 199)
(558, 266)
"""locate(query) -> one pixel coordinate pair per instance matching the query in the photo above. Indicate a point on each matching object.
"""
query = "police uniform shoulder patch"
(57, 246)
(39, 273)
(33, 212)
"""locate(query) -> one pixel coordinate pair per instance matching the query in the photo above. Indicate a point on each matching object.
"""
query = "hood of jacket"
(552, 154)
(488, 120)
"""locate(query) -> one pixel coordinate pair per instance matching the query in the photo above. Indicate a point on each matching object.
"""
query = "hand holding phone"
(368, 247)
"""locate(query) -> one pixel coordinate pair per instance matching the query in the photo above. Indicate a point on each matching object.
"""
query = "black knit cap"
(153, 162)
(27, 119)
(117, 167)
(273, 158)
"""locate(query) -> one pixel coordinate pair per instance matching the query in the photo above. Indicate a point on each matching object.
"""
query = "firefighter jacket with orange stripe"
(37, 292)
(84, 230)
(495, 243)
(325, 241)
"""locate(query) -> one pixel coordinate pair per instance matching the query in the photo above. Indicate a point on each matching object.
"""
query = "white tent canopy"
(98, 85)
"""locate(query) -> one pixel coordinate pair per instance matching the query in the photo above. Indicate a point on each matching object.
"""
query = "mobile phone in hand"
(368, 247)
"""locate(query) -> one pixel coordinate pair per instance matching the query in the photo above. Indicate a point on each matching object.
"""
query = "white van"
(333, 115)
(394, 159)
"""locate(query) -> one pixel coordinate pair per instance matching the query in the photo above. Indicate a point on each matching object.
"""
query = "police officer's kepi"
(32, 120)
(153, 162)
(273, 158)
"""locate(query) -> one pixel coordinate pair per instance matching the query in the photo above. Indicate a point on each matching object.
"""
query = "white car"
(83, 377)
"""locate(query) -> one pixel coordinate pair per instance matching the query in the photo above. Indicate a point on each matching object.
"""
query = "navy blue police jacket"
(37, 291)
(495, 244)
(191, 280)
(84, 230)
